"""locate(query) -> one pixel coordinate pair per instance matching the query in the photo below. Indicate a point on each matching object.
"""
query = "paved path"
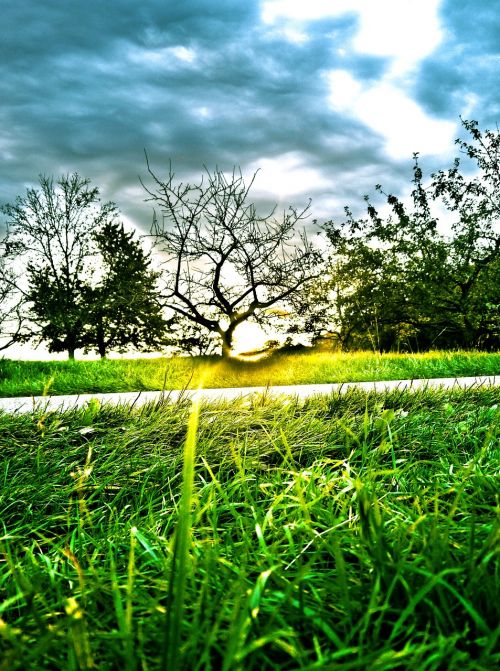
(29, 403)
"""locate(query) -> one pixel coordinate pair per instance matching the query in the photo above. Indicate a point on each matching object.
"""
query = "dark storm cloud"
(465, 71)
(87, 86)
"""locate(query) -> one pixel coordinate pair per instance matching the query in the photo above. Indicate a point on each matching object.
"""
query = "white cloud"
(203, 112)
(6, 145)
(285, 176)
(402, 123)
(405, 30)
(471, 101)
(273, 10)
(183, 54)
(166, 57)
(291, 34)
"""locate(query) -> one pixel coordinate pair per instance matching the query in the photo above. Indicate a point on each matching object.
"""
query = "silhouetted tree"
(12, 322)
(223, 262)
(123, 310)
(400, 280)
(475, 250)
(49, 232)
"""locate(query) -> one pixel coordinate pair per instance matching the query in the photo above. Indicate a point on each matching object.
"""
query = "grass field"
(25, 378)
(347, 533)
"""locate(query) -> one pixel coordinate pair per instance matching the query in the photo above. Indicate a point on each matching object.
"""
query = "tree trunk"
(226, 351)
(71, 343)
(227, 342)
(101, 342)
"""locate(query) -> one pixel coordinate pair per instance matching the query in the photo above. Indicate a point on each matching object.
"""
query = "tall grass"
(180, 558)
(24, 378)
(350, 532)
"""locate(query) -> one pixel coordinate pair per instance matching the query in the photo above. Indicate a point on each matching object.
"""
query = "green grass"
(25, 378)
(347, 533)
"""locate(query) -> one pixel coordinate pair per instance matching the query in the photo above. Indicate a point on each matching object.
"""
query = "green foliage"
(87, 282)
(123, 309)
(58, 308)
(353, 532)
(50, 237)
(401, 282)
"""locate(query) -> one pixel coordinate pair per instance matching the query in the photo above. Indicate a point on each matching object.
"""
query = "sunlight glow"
(249, 337)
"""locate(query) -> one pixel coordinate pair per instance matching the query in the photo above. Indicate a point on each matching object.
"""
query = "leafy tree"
(224, 263)
(365, 294)
(87, 283)
(57, 310)
(123, 309)
(401, 281)
(49, 232)
(475, 251)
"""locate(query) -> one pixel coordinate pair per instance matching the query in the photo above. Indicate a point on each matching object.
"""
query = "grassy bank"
(350, 533)
(25, 378)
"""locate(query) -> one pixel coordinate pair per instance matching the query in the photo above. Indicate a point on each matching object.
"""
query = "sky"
(325, 98)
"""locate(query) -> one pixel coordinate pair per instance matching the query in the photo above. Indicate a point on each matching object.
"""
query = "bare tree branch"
(225, 264)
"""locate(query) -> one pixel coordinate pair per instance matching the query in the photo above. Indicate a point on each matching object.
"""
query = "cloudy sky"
(325, 97)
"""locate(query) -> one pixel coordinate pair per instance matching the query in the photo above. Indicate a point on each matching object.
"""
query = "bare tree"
(224, 264)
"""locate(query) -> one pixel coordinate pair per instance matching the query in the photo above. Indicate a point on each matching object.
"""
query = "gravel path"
(29, 403)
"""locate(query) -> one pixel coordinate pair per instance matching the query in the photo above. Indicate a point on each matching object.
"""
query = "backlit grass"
(24, 378)
(351, 532)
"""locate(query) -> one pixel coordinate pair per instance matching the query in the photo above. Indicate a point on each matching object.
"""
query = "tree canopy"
(405, 281)
(123, 308)
(49, 233)
(86, 282)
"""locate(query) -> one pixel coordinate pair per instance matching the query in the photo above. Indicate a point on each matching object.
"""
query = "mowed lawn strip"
(26, 378)
(350, 532)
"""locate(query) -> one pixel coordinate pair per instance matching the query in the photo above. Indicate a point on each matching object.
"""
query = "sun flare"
(249, 337)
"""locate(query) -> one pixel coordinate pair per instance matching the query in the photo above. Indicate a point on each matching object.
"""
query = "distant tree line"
(73, 277)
